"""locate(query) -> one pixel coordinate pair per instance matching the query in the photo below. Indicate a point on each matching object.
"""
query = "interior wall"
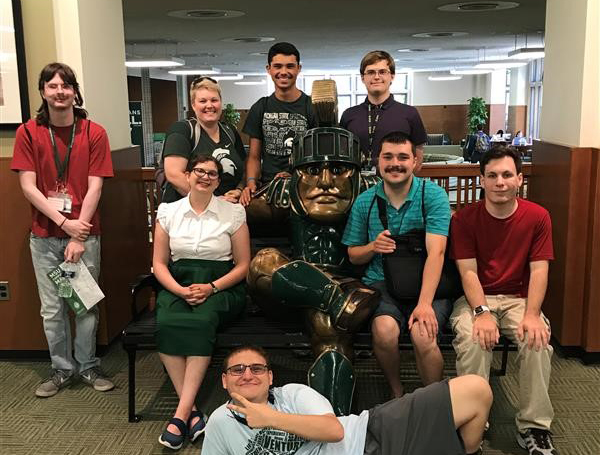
(164, 101)
(431, 93)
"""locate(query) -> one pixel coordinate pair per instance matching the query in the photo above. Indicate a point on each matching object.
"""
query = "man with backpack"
(479, 143)
(202, 135)
(274, 121)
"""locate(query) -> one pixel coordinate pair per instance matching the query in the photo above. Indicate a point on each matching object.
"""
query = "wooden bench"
(459, 180)
(252, 327)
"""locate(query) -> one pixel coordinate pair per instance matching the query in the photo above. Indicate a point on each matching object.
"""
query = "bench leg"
(133, 417)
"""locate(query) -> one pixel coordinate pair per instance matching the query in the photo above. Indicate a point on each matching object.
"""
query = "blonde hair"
(206, 83)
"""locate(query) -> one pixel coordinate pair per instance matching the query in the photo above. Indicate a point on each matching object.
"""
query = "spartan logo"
(274, 442)
(288, 141)
(222, 156)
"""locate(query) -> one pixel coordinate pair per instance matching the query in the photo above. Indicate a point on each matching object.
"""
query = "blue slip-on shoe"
(172, 440)
(198, 428)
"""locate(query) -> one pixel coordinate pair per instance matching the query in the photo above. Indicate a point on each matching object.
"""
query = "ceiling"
(331, 35)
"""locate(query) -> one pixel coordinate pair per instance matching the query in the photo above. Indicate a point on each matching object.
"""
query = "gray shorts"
(401, 310)
(419, 423)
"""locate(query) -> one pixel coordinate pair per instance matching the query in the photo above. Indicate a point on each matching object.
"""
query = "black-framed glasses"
(204, 173)
(382, 72)
(203, 78)
(256, 369)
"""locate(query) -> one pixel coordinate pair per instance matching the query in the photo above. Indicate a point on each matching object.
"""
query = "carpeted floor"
(80, 420)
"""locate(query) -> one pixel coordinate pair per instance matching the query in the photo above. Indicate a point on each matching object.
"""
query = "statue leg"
(332, 373)
(259, 280)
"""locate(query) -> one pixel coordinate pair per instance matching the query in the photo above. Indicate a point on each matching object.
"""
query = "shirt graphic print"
(274, 442)
(279, 130)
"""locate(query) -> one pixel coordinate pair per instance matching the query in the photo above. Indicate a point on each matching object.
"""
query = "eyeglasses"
(256, 369)
(203, 78)
(372, 73)
(204, 173)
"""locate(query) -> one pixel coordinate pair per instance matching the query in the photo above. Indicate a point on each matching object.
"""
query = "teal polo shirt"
(360, 230)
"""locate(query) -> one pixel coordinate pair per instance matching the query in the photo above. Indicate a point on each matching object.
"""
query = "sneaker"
(97, 379)
(50, 387)
(537, 442)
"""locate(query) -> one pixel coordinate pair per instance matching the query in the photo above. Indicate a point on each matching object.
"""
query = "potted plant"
(477, 114)
(230, 115)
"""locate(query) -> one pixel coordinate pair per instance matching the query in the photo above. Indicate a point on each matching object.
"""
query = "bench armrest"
(140, 283)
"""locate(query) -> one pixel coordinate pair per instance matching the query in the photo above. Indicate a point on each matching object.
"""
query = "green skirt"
(185, 329)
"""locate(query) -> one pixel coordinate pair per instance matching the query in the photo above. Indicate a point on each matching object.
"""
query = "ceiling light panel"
(205, 14)
(477, 7)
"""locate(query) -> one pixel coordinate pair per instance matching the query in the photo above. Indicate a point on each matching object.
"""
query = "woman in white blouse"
(201, 258)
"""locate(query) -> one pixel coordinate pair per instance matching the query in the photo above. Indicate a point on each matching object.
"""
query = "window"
(536, 79)
(351, 91)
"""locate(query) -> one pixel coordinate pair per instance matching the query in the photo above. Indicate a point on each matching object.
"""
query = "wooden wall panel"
(449, 119)
(21, 324)
(517, 120)
(164, 101)
(496, 118)
(125, 254)
(563, 181)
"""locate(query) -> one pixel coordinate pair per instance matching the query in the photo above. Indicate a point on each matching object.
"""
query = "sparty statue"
(325, 181)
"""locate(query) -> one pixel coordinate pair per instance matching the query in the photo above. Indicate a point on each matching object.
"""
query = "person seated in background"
(405, 198)
(502, 246)
(203, 135)
(274, 121)
(201, 259)
(445, 418)
(519, 139)
(498, 137)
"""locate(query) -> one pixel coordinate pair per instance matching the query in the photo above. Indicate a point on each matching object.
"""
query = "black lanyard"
(61, 168)
(374, 111)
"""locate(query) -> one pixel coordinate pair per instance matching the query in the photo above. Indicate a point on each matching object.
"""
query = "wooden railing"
(461, 182)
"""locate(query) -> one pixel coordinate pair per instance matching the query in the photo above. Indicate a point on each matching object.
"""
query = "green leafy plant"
(477, 114)
(230, 115)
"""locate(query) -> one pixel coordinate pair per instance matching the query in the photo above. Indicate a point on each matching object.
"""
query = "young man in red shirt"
(62, 159)
(502, 246)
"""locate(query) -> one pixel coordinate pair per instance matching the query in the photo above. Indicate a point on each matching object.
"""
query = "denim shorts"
(401, 310)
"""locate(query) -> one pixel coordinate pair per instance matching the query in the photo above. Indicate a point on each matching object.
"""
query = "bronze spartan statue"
(325, 182)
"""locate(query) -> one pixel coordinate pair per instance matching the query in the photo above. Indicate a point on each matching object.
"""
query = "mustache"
(394, 169)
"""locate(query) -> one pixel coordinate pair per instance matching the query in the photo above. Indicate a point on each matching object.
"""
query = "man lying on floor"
(447, 417)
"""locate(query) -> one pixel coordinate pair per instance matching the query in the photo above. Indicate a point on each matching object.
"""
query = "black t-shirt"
(276, 123)
(393, 116)
(231, 154)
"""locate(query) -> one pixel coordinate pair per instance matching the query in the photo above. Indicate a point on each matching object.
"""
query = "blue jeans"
(47, 254)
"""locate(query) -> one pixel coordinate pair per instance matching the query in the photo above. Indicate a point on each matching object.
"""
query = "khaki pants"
(535, 409)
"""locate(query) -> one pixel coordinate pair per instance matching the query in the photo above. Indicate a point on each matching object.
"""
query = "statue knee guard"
(333, 377)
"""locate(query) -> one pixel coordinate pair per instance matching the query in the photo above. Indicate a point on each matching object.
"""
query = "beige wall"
(571, 117)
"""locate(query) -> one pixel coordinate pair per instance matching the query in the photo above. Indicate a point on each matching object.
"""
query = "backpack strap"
(228, 131)
(195, 131)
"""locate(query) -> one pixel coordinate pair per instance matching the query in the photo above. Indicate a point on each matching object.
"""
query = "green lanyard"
(61, 168)
(372, 125)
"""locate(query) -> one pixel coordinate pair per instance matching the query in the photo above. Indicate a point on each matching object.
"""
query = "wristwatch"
(478, 310)
(214, 288)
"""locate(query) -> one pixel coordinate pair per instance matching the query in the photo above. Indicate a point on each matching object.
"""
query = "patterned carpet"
(80, 420)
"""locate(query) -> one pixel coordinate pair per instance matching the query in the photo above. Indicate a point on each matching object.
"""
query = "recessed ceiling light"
(438, 34)
(249, 39)
(471, 71)
(500, 64)
(261, 82)
(205, 14)
(229, 77)
(154, 62)
(528, 53)
(444, 78)
(258, 54)
(474, 7)
(195, 71)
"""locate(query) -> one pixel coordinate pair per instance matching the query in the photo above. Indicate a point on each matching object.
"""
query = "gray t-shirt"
(226, 436)
(276, 123)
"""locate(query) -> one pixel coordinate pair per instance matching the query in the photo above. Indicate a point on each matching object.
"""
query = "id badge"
(60, 201)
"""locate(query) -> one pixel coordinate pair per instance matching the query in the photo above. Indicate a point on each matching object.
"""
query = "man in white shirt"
(444, 418)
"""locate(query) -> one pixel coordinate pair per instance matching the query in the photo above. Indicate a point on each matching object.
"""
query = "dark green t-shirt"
(231, 155)
(276, 123)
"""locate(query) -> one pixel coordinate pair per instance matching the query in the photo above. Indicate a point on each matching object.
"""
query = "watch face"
(478, 310)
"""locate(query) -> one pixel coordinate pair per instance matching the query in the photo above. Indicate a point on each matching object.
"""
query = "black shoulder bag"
(403, 269)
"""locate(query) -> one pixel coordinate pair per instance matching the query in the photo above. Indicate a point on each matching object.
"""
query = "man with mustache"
(368, 240)
(274, 120)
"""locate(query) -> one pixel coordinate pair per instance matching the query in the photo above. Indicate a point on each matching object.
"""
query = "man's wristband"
(62, 222)
(250, 178)
(480, 310)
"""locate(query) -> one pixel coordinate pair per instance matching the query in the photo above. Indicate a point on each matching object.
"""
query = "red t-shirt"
(90, 156)
(503, 248)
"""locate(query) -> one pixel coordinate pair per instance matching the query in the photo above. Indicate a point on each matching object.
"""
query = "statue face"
(325, 190)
